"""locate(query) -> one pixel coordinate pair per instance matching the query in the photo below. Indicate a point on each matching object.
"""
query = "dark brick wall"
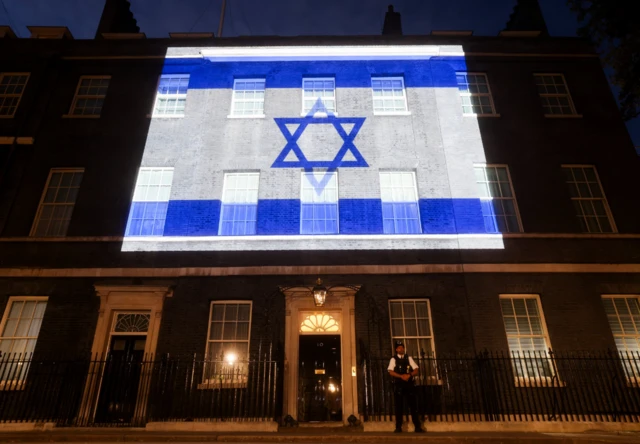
(70, 318)
(571, 304)
(185, 317)
(466, 313)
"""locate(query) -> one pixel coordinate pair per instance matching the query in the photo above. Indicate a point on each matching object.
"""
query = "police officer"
(403, 368)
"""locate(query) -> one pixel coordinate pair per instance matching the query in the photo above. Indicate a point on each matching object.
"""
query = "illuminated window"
(475, 94)
(527, 336)
(227, 350)
(623, 313)
(499, 206)
(11, 88)
(554, 94)
(150, 201)
(589, 202)
(248, 98)
(411, 323)
(57, 202)
(318, 89)
(90, 96)
(319, 210)
(19, 332)
(400, 213)
(239, 204)
(171, 97)
(388, 95)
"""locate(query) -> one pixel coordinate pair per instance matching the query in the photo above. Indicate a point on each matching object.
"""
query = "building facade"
(167, 205)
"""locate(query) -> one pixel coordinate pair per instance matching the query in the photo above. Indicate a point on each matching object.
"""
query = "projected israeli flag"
(317, 148)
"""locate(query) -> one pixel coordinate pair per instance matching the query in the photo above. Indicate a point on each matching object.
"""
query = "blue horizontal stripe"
(434, 73)
(278, 216)
(192, 218)
(356, 216)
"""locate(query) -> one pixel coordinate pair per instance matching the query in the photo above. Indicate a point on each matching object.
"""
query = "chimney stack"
(527, 16)
(117, 18)
(392, 23)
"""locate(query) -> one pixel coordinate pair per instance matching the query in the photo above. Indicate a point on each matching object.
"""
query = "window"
(90, 96)
(411, 323)
(171, 97)
(388, 95)
(623, 313)
(150, 201)
(527, 336)
(400, 213)
(499, 206)
(589, 201)
(11, 88)
(475, 94)
(318, 89)
(18, 335)
(239, 204)
(319, 209)
(227, 351)
(58, 200)
(248, 98)
(554, 94)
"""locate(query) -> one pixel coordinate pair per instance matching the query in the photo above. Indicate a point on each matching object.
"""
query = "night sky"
(157, 18)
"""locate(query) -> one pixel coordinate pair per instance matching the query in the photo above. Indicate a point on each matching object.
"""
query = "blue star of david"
(328, 166)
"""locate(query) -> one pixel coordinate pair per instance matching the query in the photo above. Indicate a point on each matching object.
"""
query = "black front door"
(120, 379)
(320, 387)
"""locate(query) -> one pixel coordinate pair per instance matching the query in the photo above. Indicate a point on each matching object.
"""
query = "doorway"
(122, 369)
(320, 383)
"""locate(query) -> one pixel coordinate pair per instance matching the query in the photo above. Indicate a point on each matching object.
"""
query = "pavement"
(313, 436)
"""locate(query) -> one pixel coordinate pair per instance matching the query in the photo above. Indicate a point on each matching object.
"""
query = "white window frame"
(42, 203)
(513, 192)
(154, 114)
(404, 112)
(335, 99)
(18, 384)
(470, 94)
(234, 100)
(337, 202)
(19, 96)
(605, 201)
(134, 200)
(635, 378)
(574, 113)
(415, 188)
(220, 382)
(224, 192)
(423, 378)
(76, 97)
(531, 381)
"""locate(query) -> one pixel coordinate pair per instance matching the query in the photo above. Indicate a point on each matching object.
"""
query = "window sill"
(563, 116)
(521, 382)
(172, 116)
(319, 115)
(481, 115)
(78, 116)
(222, 385)
(397, 113)
(254, 116)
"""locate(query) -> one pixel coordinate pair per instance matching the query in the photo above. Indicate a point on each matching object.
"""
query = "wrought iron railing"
(133, 392)
(540, 386)
(529, 386)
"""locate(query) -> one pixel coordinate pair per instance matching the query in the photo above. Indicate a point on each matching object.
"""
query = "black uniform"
(404, 390)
